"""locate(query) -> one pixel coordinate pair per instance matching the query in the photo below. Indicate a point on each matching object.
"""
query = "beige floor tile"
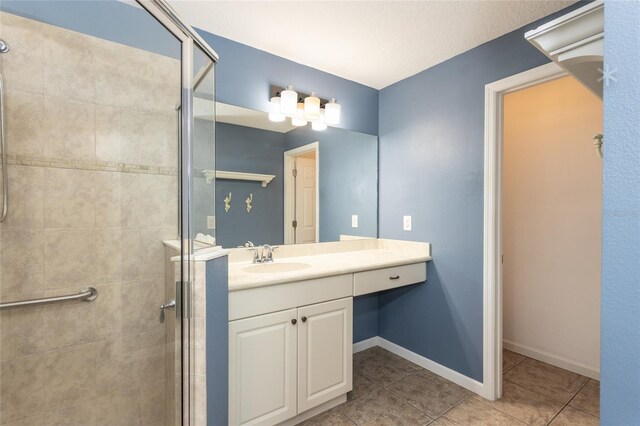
(331, 418)
(546, 379)
(362, 385)
(473, 412)
(525, 405)
(383, 408)
(572, 417)
(510, 360)
(443, 421)
(588, 399)
(383, 367)
(429, 393)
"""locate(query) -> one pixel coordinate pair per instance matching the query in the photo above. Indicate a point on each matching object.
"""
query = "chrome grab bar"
(86, 295)
(3, 147)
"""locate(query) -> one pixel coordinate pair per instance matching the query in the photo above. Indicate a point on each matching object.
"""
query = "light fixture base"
(275, 91)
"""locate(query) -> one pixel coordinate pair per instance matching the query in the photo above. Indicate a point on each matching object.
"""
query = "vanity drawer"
(278, 297)
(387, 278)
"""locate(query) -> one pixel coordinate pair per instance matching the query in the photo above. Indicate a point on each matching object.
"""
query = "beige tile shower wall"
(91, 131)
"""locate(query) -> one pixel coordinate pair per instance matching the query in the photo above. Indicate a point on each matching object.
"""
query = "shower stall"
(98, 143)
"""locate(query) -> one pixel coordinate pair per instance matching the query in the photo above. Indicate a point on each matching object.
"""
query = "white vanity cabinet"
(285, 363)
(263, 369)
(324, 352)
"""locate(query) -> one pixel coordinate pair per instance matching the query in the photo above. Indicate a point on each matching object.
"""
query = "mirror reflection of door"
(301, 201)
(305, 198)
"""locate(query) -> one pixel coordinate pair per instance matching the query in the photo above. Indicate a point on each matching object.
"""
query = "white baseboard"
(365, 344)
(552, 359)
(449, 374)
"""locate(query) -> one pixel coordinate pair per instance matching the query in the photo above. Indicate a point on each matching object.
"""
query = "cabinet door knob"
(395, 277)
(294, 321)
(304, 319)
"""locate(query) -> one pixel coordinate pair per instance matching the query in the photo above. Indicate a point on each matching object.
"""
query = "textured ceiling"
(375, 43)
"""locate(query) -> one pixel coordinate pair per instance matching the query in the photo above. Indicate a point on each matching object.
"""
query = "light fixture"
(332, 112)
(274, 110)
(298, 118)
(288, 101)
(312, 107)
(319, 124)
(302, 108)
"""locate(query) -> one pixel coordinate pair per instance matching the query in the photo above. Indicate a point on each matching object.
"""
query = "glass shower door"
(91, 121)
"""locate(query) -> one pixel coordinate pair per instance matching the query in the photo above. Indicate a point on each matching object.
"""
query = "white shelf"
(575, 41)
(221, 174)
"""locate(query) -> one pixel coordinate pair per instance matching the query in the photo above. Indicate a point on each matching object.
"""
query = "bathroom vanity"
(290, 323)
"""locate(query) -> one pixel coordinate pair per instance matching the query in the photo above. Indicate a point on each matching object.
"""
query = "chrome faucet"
(259, 252)
(269, 256)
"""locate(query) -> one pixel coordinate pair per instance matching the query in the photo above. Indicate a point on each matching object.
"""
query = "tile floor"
(389, 390)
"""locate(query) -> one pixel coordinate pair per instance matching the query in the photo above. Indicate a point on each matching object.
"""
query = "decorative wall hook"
(598, 143)
(227, 203)
(249, 200)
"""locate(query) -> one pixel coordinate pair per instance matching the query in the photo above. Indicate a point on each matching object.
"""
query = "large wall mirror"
(280, 184)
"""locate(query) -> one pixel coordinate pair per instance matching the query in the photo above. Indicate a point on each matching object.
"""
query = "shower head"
(4, 47)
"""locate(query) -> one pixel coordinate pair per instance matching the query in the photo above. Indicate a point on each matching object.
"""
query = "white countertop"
(327, 259)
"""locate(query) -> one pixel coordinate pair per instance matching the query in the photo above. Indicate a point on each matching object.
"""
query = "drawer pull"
(396, 277)
(294, 321)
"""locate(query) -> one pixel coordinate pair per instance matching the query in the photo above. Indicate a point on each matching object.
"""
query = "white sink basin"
(275, 267)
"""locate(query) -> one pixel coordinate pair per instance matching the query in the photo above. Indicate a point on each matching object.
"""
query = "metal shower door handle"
(171, 306)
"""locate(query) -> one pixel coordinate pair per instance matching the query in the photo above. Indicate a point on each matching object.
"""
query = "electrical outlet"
(354, 221)
(211, 222)
(406, 221)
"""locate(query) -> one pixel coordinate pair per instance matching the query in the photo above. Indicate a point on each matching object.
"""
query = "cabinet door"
(324, 352)
(262, 369)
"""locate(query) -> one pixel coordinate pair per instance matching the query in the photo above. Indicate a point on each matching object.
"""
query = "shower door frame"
(165, 14)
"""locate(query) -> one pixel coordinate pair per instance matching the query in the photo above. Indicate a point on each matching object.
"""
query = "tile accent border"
(94, 165)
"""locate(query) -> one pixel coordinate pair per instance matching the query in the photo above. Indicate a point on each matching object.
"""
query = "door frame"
(492, 244)
(289, 189)
(164, 13)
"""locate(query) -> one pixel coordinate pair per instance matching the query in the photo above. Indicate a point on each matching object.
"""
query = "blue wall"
(620, 368)
(217, 341)
(365, 317)
(245, 149)
(431, 167)
(244, 74)
(348, 180)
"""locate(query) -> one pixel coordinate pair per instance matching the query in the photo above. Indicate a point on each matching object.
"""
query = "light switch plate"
(211, 222)
(354, 221)
(406, 223)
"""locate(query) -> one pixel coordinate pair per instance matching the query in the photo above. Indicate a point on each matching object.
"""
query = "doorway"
(301, 195)
(495, 227)
(552, 225)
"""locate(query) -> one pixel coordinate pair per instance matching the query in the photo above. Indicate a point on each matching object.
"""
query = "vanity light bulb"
(274, 110)
(288, 101)
(312, 107)
(319, 124)
(332, 112)
(298, 118)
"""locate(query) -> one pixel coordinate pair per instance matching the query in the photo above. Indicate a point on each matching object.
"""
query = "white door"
(305, 200)
(262, 369)
(324, 352)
